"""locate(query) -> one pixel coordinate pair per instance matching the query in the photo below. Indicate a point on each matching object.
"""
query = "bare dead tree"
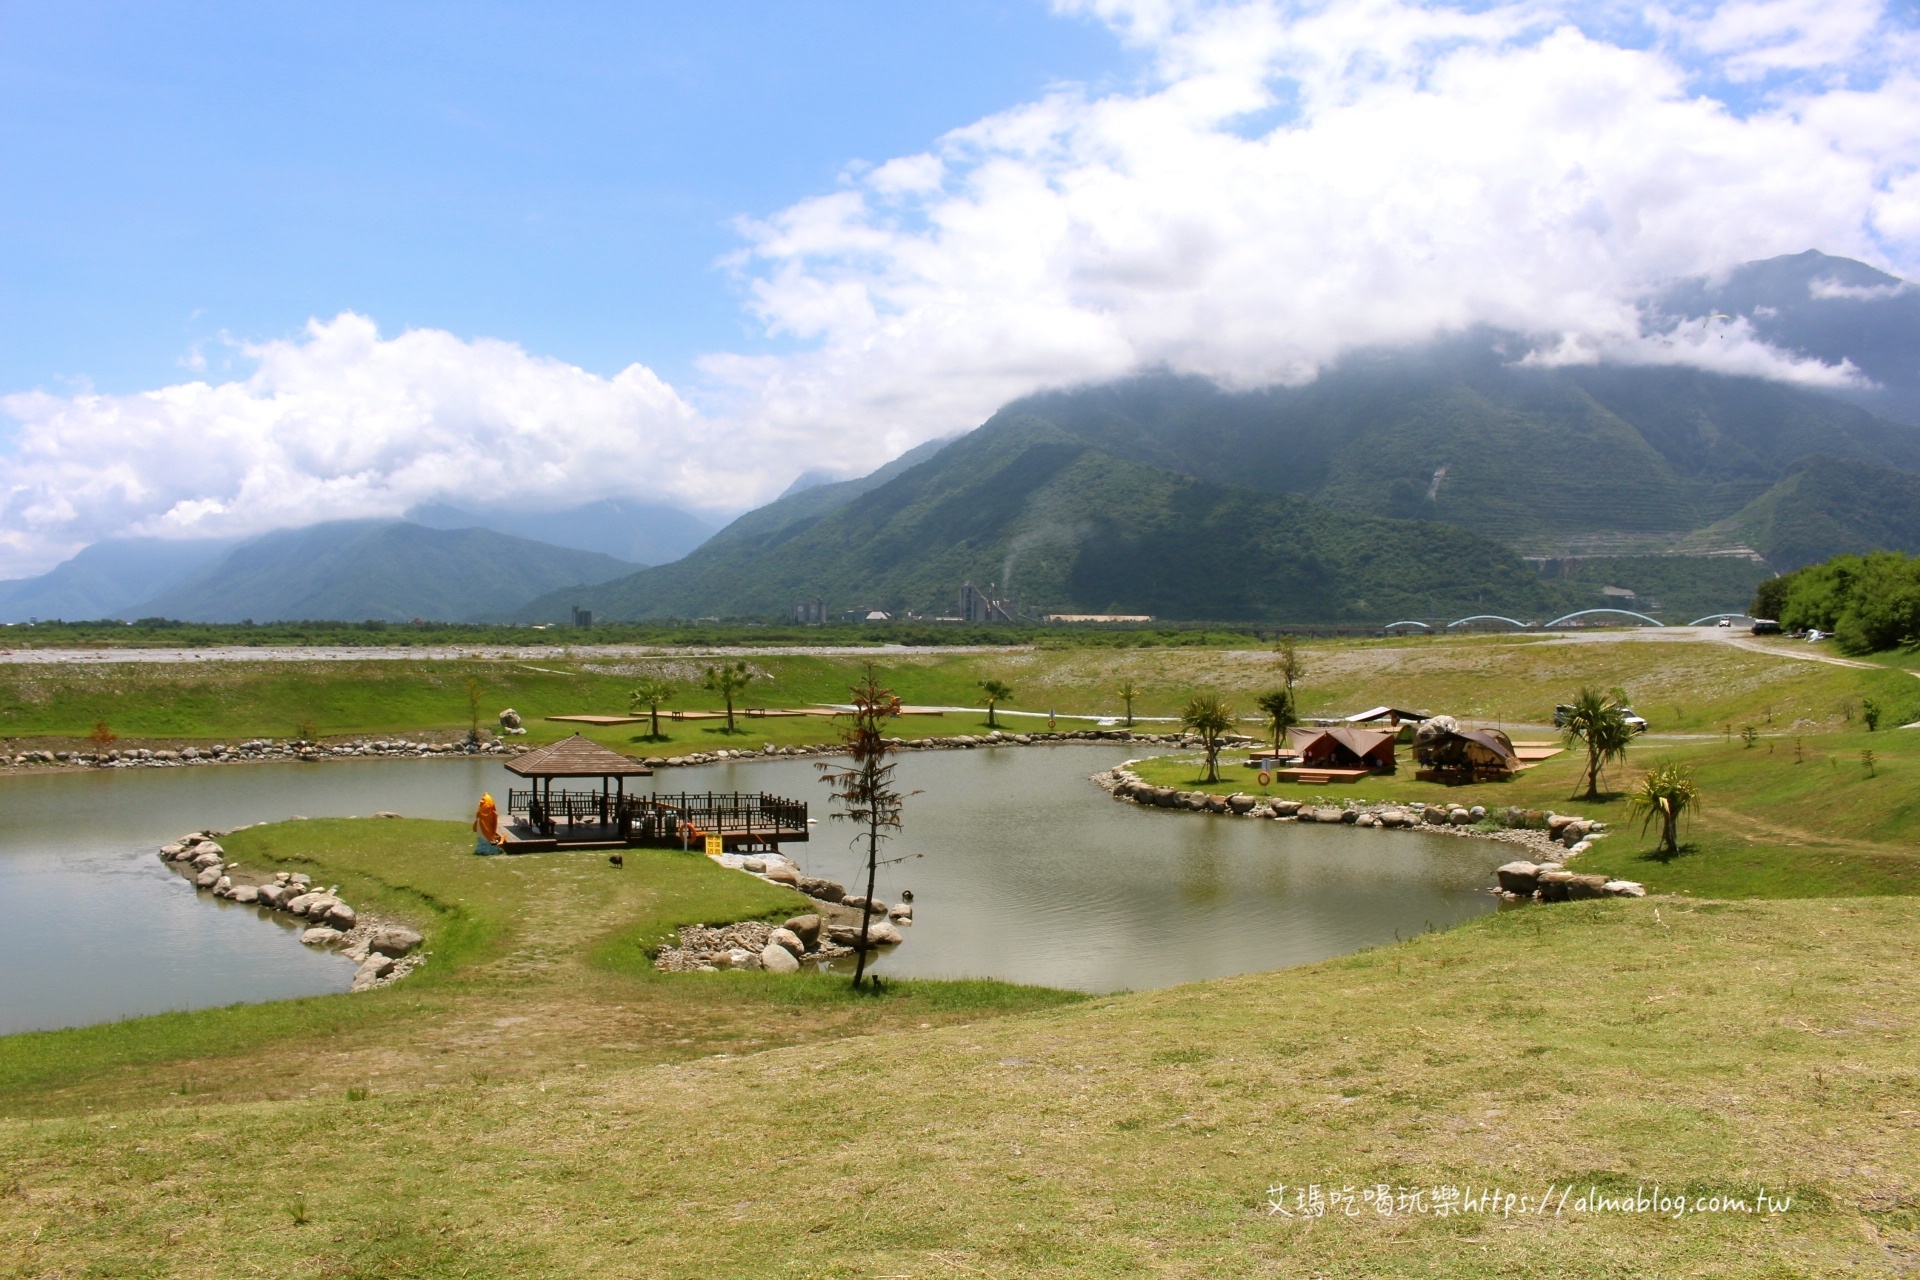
(864, 787)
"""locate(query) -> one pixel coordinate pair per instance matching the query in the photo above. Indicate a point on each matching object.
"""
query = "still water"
(1021, 869)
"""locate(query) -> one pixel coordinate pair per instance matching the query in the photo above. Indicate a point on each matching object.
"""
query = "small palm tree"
(1278, 705)
(651, 693)
(1600, 721)
(728, 680)
(1666, 794)
(997, 693)
(1128, 692)
(1208, 715)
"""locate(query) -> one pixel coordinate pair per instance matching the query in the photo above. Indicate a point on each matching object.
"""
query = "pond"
(1021, 869)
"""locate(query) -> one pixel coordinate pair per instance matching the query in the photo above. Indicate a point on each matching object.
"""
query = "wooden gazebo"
(598, 817)
(542, 817)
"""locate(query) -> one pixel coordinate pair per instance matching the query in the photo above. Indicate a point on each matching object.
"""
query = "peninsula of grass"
(1795, 816)
(557, 943)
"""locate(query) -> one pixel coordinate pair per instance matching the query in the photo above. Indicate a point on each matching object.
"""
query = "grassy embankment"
(531, 1108)
(1686, 688)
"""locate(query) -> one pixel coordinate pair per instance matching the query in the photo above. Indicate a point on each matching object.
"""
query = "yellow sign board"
(715, 847)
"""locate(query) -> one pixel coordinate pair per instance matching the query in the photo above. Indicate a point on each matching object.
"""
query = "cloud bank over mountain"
(1290, 182)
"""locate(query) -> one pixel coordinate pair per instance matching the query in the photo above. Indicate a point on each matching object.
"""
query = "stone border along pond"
(1556, 838)
(385, 951)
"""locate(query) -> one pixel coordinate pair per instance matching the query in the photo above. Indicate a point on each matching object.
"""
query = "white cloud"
(1292, 181)
(1827, 287)
(341, 423)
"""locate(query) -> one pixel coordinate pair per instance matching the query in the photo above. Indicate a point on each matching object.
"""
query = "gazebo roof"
(576, 757)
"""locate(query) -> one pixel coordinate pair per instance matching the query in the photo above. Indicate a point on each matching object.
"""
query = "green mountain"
(1823, 508)
(1062, 525)
(806, 502)
(1550, 461)
(371, 569)
(107, 577)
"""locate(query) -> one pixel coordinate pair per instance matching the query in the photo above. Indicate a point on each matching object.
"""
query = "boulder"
(172, 851)
(373, 968)
(1553, 885)
(777, 959)
(206, 857)
(1579, 847)
(1434, 815)
(806, 928)
(393, 940)
(223, 887)
(879, 934)
(788, 939)
(1460, 818)
(274, 895)
(245, 893)
(901, 913)
(781, 873)
(1240, 802)
(1624, 889)
(1284, 808)
(321, 936)
(1557, 823)
(1581, 887)
(300, 878)
(299, 902)
(741, 958)
(758, 866)
(208, 878)
(1216, 804)
(1522, 878)
(1393, 818)
(339, 915)
(861, 903)
(1478, 813)
(825, 890)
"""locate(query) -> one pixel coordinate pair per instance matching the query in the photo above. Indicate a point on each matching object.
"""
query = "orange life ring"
(1266, 779)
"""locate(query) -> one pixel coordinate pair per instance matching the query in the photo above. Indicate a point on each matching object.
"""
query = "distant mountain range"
(110, 576)
(1453, 477)
(354, 570)
(638, 532)
(1058, 523)
(1448, 479)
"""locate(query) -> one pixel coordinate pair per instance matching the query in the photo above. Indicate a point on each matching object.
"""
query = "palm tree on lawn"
(1208, 715)
(1599, 721)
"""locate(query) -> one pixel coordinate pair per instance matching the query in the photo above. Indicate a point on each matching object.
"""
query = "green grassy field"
(1693, 688)
(1714, 1048)
(536, 1101)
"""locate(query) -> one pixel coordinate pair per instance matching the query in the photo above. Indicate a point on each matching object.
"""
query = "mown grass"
(1712, 1047)
(565, 933)
(1704, 687)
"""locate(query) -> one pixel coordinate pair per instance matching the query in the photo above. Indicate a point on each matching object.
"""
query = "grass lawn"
(1717, 1048)
(1703, 687)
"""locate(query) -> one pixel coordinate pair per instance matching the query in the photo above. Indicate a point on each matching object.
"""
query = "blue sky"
(562, 175)
(267, 264)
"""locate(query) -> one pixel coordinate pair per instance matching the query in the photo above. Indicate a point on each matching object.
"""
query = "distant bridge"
(1588, 613)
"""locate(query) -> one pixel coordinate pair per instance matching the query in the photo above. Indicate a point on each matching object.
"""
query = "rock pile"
(755, 944)
(256, 749)
(1552, 882)
(386, 952)
(1555, 837)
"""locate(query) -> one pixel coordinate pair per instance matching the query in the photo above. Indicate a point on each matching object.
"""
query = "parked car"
(1724, 622)
(1564, 712)
(1765, 627)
